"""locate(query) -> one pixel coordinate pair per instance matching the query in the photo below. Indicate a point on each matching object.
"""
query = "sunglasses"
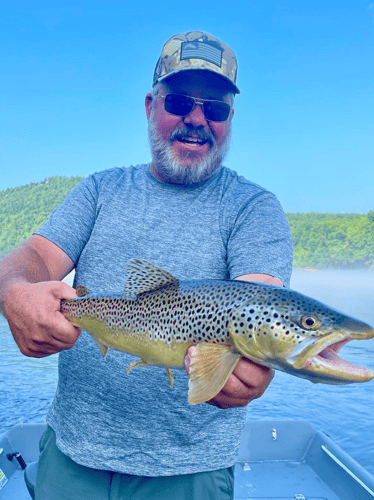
(182, 105)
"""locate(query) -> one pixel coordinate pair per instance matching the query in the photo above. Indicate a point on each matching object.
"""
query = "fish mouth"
(320, 356)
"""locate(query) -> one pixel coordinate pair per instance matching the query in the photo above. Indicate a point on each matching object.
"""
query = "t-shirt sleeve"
(260, 240)
(69, 226)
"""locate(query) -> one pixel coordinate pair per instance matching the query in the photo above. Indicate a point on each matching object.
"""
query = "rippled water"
(344, 412)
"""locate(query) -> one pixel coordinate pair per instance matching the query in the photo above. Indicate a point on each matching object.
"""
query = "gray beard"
(170, 170)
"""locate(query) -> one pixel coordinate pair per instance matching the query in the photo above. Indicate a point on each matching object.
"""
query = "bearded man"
(112, 435)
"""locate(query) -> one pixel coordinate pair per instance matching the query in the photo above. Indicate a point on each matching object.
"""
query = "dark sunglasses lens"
(216, 111)
(179, 105)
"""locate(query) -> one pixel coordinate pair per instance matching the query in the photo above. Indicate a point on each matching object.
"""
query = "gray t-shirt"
(218, 229)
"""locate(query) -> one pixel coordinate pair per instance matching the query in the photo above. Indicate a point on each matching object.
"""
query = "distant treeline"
(24, 209)
(321, 241)
(333, 241)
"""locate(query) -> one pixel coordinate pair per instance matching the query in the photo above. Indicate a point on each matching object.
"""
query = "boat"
(286, 460)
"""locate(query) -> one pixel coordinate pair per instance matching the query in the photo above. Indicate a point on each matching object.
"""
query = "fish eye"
(310, 322)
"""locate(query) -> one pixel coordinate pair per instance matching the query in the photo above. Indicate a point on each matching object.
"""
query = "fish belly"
(142, 344)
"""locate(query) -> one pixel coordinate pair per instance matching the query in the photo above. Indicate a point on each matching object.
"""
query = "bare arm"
(249, 380)
(30, 297)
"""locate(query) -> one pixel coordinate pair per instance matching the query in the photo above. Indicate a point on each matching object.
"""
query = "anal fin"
(103, 348)
(211, 366)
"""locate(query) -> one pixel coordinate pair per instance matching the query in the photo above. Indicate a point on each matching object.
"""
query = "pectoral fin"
(211, 366)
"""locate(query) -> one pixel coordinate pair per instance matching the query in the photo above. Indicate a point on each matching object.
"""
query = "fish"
(158, 317)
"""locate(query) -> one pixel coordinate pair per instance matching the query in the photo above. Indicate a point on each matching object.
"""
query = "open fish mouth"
(321, 356)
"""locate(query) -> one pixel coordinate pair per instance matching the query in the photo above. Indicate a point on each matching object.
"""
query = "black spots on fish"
(187, 312)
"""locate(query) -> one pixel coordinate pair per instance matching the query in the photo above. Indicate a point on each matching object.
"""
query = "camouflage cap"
(196, 50)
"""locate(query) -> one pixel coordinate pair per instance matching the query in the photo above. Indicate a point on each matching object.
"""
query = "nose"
(196, 116)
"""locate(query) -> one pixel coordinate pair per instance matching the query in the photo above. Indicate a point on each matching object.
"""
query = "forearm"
(22, 265)
(34, 261)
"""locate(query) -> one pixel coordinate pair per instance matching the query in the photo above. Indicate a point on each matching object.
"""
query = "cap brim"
(234, 88)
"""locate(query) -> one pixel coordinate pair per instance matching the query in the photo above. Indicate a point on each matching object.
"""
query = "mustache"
(184, 132)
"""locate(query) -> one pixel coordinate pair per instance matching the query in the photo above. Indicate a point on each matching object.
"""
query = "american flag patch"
(201, 50)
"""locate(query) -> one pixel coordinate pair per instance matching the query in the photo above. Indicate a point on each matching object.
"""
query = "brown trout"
(158, 317)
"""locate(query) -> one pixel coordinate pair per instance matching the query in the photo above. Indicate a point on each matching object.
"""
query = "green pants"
(60, 478)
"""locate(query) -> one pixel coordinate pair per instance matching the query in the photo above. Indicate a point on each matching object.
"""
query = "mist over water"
(345, 413)
(350, 291)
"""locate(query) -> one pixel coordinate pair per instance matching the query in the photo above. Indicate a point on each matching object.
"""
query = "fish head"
(289, 331)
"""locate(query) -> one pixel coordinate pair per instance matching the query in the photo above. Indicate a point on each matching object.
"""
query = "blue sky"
(73, 80)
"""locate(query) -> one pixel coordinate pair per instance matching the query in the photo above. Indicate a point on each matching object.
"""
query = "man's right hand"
(33, 314)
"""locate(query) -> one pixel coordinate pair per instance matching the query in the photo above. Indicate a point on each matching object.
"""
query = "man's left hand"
(248, 381)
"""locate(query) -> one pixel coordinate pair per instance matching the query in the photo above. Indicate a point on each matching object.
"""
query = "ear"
(148, 104)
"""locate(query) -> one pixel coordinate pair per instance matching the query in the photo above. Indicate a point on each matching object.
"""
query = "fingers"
(48, 339)
(247, 382)
(251, 377)
(34, 317)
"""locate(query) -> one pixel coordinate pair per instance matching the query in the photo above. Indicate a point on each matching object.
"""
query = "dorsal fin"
(141, 276)
(82, 291)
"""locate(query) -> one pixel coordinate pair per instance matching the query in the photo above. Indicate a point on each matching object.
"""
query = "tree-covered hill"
(23, 209)
(320, 240)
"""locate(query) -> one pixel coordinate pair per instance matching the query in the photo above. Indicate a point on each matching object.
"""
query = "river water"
(345, 413)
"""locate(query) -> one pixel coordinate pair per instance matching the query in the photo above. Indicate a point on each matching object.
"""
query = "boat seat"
(30, 477)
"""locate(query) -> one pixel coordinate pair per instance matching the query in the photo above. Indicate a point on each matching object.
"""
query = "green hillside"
(24, 209)
(321, 241)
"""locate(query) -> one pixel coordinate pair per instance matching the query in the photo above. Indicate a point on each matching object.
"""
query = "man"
(112, 435)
